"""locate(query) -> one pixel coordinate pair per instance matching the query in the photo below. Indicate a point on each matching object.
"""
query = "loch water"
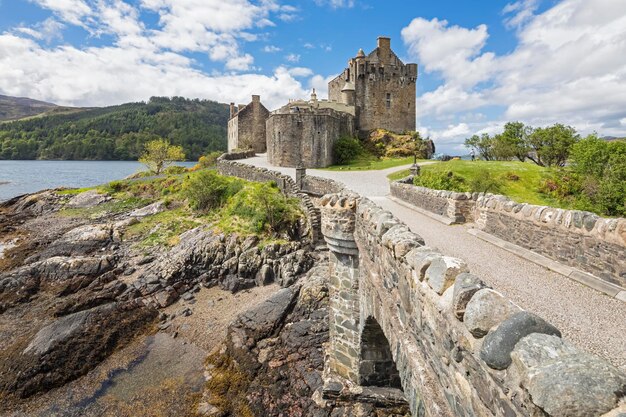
(23, 177)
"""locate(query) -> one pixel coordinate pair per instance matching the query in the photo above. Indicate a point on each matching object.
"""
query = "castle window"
(388, 101)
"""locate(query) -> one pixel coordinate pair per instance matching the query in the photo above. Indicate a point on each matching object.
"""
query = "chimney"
(256, 99)
(232, 110)
(384, 43)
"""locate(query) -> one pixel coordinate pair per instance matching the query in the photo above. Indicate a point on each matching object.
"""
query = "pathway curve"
(587, 318)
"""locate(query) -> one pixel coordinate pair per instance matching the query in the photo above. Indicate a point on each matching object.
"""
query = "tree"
(482, 144)
(513, 142)
(159, 154)
(552, 145)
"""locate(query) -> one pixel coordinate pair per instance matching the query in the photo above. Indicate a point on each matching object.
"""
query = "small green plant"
(207, 161)
(441, 180)
(347, 149)
(174, 170)
(485, 182)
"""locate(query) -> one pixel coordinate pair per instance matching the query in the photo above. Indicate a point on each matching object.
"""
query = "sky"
(481, 63)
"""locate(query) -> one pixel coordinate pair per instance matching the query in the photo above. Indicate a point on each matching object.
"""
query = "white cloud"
(336, 4)
(271, 49)
(111, 75)
(520, 12)
(72, 11)
(569, 66)
(300, 72)
(292, 57)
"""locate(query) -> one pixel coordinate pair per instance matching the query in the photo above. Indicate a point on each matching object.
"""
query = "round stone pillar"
(338, 226)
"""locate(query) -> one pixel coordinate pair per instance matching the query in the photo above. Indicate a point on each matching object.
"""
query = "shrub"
(207, 161)
(486, 182)
(347, 149)
(207, 190)
(265, 206)
(440, 180)
(174, 170)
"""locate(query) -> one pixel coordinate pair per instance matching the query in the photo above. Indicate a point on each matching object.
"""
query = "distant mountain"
(117, 132)
(13, 108)
(611, 138)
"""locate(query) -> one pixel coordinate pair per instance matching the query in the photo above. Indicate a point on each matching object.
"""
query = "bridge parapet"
(404, 315)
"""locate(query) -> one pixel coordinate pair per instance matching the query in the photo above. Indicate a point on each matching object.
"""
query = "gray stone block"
(537, 350)
(500, 342)
(487, 309)
(576, 386)
(443, 271)
(465, 286)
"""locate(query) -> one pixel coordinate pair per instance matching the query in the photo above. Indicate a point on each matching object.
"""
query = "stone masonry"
(578, 239)
(402, 312)
(381, 87)
(246, 126)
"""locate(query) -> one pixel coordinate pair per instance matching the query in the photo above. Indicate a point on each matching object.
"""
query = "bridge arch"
(376, 364)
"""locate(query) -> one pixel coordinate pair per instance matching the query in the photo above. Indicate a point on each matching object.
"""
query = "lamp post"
(415, 169)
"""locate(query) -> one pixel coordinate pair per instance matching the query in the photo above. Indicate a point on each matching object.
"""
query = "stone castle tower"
(246, 126)
(381, 87)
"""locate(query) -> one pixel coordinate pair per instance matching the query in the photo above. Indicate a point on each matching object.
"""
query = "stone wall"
(318, 186)
(578, 239)
(384, 89)
(459, 207)
(306, 137)
(227, 165)
(460, 348)
(246, 128)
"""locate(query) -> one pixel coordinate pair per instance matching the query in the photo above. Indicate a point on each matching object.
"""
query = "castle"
(374, 91)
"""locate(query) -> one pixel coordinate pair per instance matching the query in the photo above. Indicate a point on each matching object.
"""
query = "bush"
(347, 149)
(208, 190)
(174, 170)
(207, 161)
(265, 206)
(486, 182)
(439, 180)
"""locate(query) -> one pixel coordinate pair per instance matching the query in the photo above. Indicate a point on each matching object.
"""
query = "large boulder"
(487, 309)
(70, 347)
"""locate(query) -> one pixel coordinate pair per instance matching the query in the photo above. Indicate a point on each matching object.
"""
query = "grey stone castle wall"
(579, 239)
(306, 138)
(246, 130)
(460, 348)
(377, 77)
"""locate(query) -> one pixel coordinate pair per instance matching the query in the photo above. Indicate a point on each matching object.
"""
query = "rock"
(500, 342)
(186, 312)
(420, 259)
(71, 346)
(148, 210)
(82, 240)
(465, 286)
(487, 309)
(443, 271)
(188, 296)
(538, 349)
(166, 297)
(88, 199)
(576, 386)
(146, 260)
(265, 275)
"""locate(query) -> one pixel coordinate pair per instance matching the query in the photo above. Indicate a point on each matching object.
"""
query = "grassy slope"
(372, 163)
(524, 190)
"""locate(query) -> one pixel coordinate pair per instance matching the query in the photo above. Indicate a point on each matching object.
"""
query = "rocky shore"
(92, 323)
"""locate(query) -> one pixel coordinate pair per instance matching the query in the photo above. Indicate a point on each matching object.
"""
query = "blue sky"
(481, 63)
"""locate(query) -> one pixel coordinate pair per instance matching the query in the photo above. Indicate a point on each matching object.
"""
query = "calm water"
(22, 177)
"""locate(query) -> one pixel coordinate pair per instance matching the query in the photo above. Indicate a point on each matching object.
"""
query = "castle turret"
(347, 93)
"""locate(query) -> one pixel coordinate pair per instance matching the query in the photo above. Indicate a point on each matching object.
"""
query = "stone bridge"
(406, 318)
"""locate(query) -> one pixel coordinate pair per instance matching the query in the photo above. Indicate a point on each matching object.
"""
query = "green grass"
(110, 207)
(372, 163)
(74, 191)
(163, 229)
(525, 189)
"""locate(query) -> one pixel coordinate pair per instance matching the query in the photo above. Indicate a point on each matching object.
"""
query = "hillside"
(117, 132)
(13, 108)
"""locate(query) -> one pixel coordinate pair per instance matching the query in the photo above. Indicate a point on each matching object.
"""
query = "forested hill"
(12, 108)
(118, 132)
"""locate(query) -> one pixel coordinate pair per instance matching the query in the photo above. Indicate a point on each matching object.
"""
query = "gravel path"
(589, 319)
